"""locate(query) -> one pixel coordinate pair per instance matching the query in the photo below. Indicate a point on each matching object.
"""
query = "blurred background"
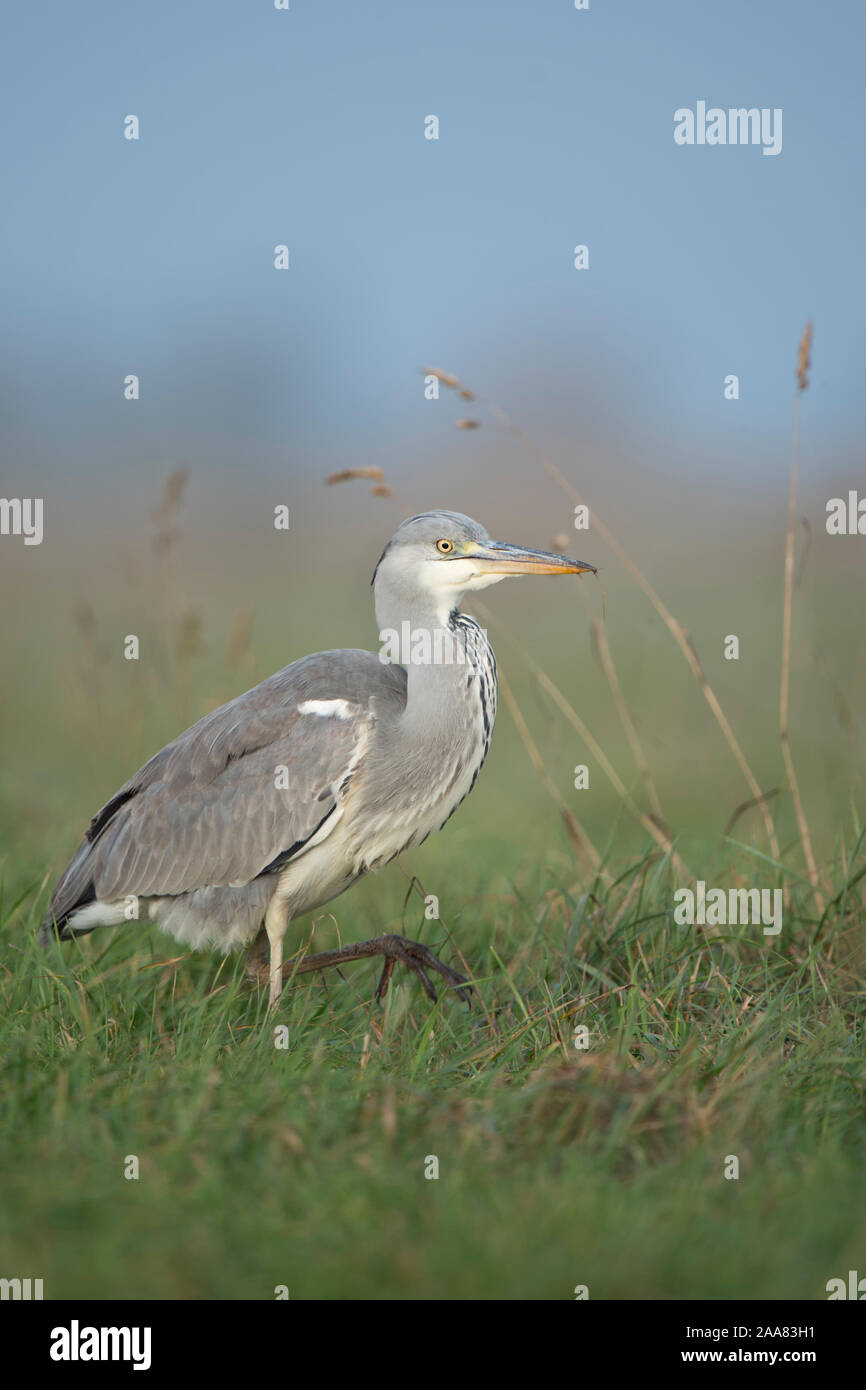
(306, 128)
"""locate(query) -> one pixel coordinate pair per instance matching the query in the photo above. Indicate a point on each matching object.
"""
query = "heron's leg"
(256, 958)
(276, 922)
(394, 948)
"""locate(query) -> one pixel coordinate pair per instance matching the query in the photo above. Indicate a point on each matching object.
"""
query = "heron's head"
(436, 557)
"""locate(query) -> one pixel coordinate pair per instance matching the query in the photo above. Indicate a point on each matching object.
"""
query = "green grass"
(305, 1166)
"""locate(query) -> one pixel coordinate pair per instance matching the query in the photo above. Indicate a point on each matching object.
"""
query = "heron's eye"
(444, 547)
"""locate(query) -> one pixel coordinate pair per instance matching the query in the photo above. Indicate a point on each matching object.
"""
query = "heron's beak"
(497, 557)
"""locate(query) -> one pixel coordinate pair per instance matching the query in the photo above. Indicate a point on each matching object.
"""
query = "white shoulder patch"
(339, 709)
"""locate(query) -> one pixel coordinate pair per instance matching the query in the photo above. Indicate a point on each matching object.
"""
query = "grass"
(304, 1165)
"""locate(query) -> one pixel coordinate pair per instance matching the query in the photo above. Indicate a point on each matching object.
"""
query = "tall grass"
(558, 1165)
(583, 1114)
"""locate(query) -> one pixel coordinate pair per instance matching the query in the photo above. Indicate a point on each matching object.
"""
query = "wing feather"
(207, 809)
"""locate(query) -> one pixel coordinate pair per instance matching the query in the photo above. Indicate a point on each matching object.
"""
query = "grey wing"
(240, 792)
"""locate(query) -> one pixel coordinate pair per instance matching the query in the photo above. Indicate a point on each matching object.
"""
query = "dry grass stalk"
(804, 358)
(165, 515)
(679, 633)
(803, 364)
(347, 474)
(602, 651)
(445, 377)
(586, 850)
(661, 836)
(741, 810)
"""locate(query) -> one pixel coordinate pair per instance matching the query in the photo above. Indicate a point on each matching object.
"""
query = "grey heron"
(277, 802)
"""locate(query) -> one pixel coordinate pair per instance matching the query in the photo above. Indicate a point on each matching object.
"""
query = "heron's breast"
(413, 788)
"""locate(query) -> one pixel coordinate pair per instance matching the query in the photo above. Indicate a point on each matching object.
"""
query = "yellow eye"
(444, 547)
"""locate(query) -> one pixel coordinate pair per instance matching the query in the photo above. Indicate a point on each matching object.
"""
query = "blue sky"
(306, 127)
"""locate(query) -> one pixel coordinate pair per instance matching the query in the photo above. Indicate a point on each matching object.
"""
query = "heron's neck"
(426, 638)
(396, 605)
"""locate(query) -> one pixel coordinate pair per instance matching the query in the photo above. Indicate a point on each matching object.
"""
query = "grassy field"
(306, 1165)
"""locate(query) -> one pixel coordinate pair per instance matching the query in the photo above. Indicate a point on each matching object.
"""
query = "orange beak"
(497, 557)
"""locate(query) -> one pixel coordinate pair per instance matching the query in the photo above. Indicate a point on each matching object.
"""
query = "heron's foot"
(419, 959)
(413, 954)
